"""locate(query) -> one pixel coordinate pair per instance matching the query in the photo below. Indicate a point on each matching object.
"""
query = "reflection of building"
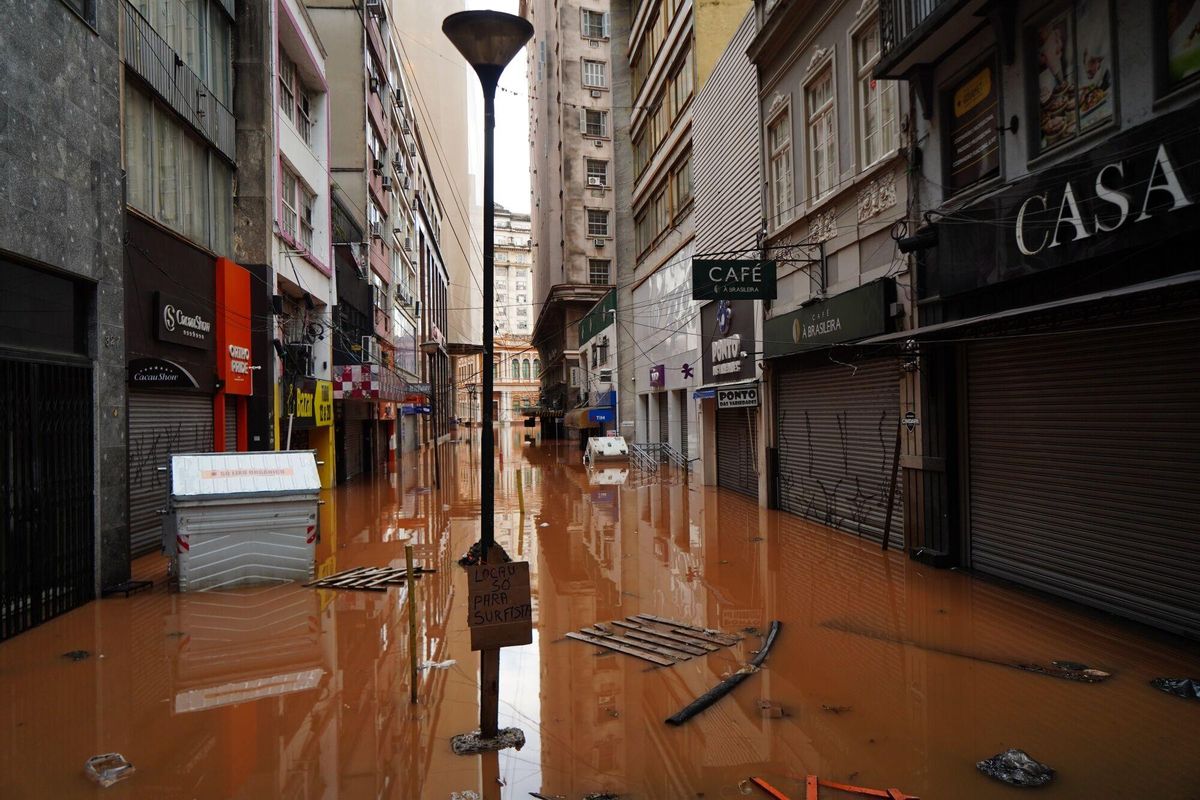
(572, 182)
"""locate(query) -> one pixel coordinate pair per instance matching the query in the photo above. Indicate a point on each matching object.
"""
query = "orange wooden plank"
(769, 789)
(813, 791)
(845, 787)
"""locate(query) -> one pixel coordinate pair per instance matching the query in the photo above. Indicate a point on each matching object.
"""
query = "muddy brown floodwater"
(889, 673)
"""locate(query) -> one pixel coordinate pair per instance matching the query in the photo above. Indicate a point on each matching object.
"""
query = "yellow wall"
(321, 438)
(715, 23)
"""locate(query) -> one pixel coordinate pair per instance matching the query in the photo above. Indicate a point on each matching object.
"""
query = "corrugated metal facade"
(837, 432)
(1084, 468)
(725, 143)
(160, 423)
(737, 435)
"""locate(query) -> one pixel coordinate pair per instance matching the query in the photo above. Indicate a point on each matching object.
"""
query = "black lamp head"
(488, 40)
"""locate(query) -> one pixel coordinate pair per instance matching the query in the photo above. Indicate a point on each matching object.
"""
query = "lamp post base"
(470, 744)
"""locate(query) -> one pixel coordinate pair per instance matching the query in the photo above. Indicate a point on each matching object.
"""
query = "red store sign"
(233, 328)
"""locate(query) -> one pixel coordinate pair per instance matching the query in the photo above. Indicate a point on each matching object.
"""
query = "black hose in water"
(726, 686)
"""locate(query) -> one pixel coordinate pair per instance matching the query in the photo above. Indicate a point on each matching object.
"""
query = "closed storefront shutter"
(737, 439)
(231, 425)
(1084, 467)
(160, 423)
(836, 438)
(353, 444)
(683, 426)
(664, 419)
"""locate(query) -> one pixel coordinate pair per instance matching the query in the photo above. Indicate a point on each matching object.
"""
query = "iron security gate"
(160, 423)
(664, 419)
(46, 476)
(737, 436)
(231, 437)
(1085, 467)
(836, 438)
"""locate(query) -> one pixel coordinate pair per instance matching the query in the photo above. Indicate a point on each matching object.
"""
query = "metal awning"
(588, 417)
(709, 390)
(1096, 297)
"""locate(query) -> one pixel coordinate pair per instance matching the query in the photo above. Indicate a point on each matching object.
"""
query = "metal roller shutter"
(231, 424)
(352, 443)
(683, 426)
(837, 434)
(737, 436)
(664, 419)
(1084, 468)
(160, 423)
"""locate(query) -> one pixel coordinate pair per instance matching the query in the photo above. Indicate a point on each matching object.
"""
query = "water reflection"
(890, 673)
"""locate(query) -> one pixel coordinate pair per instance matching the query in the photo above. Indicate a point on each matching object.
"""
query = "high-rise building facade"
(571, 168)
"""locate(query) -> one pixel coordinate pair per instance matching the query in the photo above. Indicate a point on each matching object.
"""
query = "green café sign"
(733, 279)
(846, 317)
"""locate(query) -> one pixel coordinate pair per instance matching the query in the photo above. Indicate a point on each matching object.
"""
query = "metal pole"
(412, 623)
(487, 534)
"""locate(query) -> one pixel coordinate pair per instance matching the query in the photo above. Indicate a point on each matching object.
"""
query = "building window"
(1073, 52)
(294, 100)
(779, 168)
(86, 9)
(516, 369)
(593, 74)
(298, 209)
(876, 99)
(822, 140)
(525, 369)
(593, 24)
(599, 271)
(174, 177)
(681, 185)
(593, 122)
(597, 222)
(682, 85)
(597, 172)
(198, 31)
(537, 368)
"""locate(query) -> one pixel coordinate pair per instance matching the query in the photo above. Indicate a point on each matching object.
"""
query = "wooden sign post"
(499, 614)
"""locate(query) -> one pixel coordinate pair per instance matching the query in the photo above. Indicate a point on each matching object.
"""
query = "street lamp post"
(488, 40)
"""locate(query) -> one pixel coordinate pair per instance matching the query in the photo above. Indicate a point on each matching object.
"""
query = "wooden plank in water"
(675, 637)
(661, 649)
(611, 644)
(684, 629)
(692, 650)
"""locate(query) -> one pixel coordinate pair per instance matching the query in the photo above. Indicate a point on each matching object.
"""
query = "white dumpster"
(606, 448)
(241, 519)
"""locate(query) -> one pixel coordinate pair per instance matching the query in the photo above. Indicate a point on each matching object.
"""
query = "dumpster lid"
(212, 475)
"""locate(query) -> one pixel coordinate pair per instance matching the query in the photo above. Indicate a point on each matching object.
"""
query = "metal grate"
(46, 475)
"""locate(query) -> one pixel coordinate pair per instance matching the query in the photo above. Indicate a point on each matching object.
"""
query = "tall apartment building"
(519, 364)
(188, 316)
(571, 164)
(666, 49)
(62, 342)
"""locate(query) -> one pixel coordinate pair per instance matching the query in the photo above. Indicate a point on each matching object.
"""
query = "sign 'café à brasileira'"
(733, 279)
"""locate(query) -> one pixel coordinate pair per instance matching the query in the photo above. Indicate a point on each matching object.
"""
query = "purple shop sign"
(658, 376)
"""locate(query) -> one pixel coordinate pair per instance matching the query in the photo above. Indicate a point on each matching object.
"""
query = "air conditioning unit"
(376, 230)
(412, 150)
(370, 350)
(595, 180)
(599, 143)
(408, 244)
(397, 230)
(374, 84)
(597, 93)
(387, 183)
(406, 126)
(606, 376)
(598, 242)
(375, 8)
(406, 182)
(398, 165)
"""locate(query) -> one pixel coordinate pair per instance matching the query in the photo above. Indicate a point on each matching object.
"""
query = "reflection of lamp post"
(488, 40)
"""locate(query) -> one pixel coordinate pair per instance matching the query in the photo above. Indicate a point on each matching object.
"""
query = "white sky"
(512, 125)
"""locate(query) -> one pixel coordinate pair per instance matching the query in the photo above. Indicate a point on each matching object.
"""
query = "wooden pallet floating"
(660, 641)
(369, 579)
(813, 786)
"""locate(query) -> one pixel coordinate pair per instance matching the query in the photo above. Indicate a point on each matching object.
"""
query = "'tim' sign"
(499, 605)
(733, 279)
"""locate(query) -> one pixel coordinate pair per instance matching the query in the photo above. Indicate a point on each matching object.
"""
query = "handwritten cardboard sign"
(499, 606)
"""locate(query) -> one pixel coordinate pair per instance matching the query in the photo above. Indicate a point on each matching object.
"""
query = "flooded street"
(889, 673)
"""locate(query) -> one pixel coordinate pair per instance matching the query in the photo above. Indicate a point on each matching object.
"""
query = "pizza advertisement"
(1074, 71)
(1182, 26)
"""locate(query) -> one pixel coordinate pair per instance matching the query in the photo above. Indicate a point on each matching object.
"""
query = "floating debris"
(371, 579)
(1187, 688)
(836, 709)
(1068, 670)
(77, 655)
(108, 768)
(496, 555)
(602, 796)
(770, 710)
(1016, 768)
(659, 641)
(447, 664)
(729, 684)
(465, 744)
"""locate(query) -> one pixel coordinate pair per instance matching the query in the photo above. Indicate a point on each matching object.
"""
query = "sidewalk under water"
(888, 672)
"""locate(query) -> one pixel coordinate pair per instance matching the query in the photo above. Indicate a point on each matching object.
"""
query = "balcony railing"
(899, 19)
